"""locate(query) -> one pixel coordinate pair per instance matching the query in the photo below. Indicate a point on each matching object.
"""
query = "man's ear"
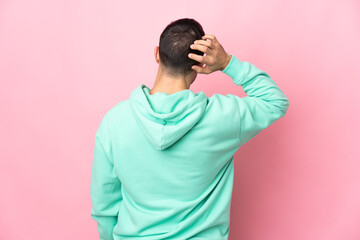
(156, 54)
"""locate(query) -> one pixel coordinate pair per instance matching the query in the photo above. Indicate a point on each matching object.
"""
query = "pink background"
(63, 64)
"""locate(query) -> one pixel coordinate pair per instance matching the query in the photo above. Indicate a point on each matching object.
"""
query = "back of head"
(174, 46)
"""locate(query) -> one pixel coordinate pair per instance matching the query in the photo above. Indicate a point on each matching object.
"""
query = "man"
(163, 163)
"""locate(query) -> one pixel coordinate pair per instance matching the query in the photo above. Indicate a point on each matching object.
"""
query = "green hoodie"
(163, 164)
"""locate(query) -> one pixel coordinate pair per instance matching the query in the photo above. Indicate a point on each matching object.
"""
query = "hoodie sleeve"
(105, 187)
(265, 102)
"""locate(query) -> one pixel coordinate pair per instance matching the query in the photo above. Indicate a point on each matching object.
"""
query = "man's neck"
(170, 84)
(168, 87)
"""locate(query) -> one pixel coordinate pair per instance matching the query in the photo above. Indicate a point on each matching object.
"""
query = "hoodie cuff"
(234, 69)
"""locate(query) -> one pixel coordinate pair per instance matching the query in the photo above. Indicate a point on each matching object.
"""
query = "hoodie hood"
(165, 118)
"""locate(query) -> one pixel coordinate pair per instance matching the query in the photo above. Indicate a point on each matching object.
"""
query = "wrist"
(227, 61)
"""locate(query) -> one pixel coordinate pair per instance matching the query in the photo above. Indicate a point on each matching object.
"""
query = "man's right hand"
(215, 56)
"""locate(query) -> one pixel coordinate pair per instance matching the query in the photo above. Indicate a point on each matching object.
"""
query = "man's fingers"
(196, 57)
(200, 47)
(199, 69)
(210, 37)
(196, 68)
(205, 43)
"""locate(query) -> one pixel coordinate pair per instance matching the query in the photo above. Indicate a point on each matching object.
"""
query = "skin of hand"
(215, 57)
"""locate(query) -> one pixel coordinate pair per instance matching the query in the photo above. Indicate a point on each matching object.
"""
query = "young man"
(163, 163)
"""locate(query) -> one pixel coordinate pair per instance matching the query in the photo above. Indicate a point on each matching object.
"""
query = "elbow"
(280, 106)
(284, 106)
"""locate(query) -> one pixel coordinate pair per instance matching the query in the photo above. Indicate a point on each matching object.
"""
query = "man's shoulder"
(120, 105)
(222, 99)
(119, 109)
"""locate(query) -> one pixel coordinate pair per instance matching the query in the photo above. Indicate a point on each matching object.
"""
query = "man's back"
(163, 164)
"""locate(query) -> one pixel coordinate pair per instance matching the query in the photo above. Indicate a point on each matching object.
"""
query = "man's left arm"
(105, 187)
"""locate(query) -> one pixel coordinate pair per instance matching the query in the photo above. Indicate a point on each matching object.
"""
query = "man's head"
(174, 47)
